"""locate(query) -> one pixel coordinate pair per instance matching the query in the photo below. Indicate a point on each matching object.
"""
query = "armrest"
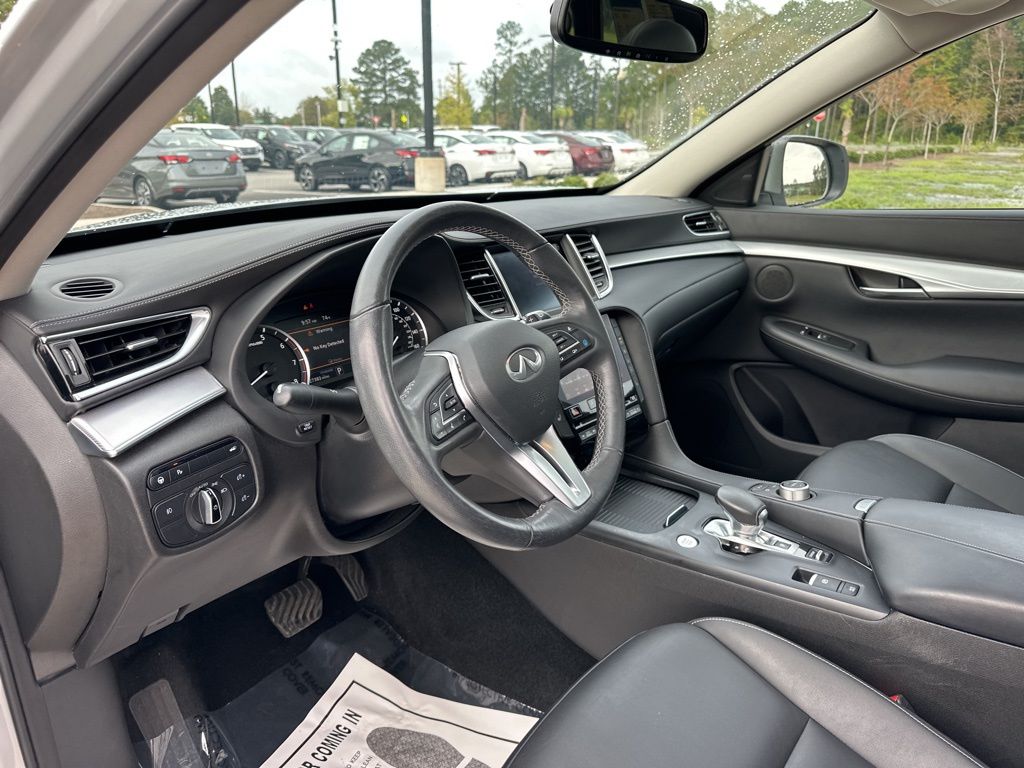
(954, 566)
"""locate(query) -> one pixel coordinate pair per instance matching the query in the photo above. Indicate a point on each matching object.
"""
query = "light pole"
(337, 61)
(494, 97)
(458, 85)
(234, 90)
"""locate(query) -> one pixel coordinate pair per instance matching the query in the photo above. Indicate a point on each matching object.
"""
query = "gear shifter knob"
(746, 512)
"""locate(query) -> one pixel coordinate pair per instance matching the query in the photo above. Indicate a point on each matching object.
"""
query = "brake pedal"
(295, 608)
(351, 574)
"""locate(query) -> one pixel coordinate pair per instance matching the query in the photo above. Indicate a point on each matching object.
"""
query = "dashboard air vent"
(705, 223)
(94, 360)
(484, 284)
(592, 257)
(87, 288)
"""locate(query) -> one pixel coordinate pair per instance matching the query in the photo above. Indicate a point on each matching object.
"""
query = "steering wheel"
(485, 396)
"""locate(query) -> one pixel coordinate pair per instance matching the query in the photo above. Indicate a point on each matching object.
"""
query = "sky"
(292, 59)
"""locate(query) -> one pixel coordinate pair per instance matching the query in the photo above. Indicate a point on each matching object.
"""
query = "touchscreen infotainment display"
(529, 293)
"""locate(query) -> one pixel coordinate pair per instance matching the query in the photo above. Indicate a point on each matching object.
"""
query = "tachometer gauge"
(409, 331)
(274, 358)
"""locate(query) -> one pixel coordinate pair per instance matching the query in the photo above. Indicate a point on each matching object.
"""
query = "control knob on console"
(794, 490)
(208, 507)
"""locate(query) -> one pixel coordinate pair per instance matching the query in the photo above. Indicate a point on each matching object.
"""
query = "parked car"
(179, 166)
(318, 134)
(537, 155)
(589, 156)
(355, 157)
(250, 151)
(629, 153)
(475, 157)
(281, 145)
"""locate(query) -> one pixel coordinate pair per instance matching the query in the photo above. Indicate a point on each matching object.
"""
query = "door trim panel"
(939, 279)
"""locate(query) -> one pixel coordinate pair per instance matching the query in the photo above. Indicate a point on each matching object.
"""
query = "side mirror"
(804, 171)
(655, 30)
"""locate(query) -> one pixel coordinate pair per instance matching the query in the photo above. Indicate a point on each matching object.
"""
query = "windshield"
(222, 134)
(507, 74)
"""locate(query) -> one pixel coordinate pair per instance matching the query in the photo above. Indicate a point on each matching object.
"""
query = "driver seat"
(720, 693)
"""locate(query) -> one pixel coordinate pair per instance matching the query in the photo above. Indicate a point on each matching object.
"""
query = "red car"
(589, 156)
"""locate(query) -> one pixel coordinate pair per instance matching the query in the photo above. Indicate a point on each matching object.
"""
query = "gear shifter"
(745, 511)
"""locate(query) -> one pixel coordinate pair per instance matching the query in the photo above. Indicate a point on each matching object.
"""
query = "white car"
(629, 153)
(475, 157)
(537, 155)
(250, 151)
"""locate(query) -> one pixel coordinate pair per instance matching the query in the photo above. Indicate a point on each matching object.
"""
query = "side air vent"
(595, 264)
(95, 360)
(705, 223)
(485, 285)
(87, 288)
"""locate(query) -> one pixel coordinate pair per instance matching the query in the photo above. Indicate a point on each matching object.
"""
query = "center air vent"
(95, 360)
(705, 223)
(591, 256)
(87, 288)
(484, 284)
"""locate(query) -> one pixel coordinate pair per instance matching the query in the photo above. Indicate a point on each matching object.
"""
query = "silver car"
(179, 166)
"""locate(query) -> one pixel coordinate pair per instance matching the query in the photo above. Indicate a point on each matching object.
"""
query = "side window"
(944, 131)
(360, 142)
(261, 134)
(340, 144)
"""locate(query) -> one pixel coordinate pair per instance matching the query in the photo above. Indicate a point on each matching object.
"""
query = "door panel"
(930, 358)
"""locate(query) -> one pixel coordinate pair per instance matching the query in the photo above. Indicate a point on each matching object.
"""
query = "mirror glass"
(804, 173)
(651, 30)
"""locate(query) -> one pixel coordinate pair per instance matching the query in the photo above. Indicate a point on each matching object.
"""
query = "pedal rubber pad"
(351, 574)
(295, 608)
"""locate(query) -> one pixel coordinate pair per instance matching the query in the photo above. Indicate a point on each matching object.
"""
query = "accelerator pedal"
(296, 607)
(351, 574)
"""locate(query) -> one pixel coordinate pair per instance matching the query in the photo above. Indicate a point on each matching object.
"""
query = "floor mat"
(248, 729)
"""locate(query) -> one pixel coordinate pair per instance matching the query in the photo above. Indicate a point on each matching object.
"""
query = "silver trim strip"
(545, 459)
(579, 257)
(689, 251)
(893, 292)
(112, 428)
(504, 286)
(939, 279)
(200, 320)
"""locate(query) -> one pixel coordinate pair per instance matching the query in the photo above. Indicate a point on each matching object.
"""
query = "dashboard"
(177, 478)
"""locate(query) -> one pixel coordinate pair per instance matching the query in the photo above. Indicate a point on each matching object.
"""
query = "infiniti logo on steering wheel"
(524, 364)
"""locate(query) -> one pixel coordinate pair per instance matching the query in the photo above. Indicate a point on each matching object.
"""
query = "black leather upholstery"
(720, 693)
(911, 467)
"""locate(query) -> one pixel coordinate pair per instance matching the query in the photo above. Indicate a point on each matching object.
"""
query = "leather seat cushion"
(720, 693)
(911, 467)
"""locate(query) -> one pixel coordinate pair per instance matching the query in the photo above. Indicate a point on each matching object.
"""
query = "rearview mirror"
(804, 171)
(648, 30)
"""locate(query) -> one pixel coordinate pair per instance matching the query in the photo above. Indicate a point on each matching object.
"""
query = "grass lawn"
(977, 180)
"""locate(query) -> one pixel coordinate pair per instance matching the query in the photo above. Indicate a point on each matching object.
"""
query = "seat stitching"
(908, 529)
(878, 693)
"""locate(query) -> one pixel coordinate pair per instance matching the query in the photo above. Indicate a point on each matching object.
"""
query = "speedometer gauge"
(409, 331)
(273, 358)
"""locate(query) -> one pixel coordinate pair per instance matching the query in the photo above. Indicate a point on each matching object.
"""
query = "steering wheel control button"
(447, 413)
(794, 490)
(170, 511)
(570, 341)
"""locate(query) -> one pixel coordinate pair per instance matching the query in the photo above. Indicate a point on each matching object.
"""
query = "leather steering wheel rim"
(398, 421)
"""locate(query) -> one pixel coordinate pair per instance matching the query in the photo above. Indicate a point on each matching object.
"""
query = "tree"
(5, 9)
(935, 104)
(264, 116)
(456, 105)
(222, 108)
(386, 84)
(997, 57)
(193, 112)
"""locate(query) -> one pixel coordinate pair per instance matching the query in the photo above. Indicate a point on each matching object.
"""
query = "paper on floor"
(368, 719)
